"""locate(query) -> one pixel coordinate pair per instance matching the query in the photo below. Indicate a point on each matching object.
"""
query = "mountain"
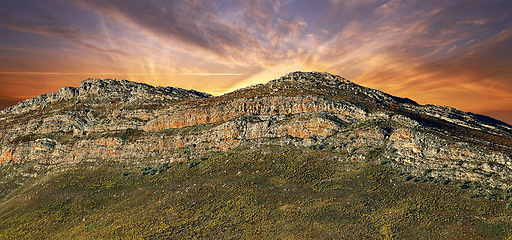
(308, 155)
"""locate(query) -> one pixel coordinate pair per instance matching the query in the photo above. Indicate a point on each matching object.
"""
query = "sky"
(456, 53)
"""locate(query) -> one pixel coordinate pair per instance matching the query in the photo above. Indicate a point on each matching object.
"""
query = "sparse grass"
(267, 192)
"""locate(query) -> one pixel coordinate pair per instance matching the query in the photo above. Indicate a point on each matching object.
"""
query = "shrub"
(464, 184)
(407, 177)
(492, 196)
(445, 181)
(193, 164)
(317, 147)
(163, 167)
(146, 170)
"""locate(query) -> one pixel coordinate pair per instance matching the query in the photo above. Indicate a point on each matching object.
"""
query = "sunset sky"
(456, 53)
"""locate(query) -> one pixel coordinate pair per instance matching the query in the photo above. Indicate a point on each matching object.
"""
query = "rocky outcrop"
(128, 121)
(101, 91)
(272, 105)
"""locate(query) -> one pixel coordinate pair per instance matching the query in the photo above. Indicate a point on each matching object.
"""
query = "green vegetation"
(265, 192)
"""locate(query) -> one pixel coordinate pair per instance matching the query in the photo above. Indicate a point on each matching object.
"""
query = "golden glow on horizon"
(454, 53)
(100, 73)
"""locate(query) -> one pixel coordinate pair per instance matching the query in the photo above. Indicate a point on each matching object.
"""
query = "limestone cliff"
(134, 122)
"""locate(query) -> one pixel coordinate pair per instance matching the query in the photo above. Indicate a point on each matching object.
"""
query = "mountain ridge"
(307, 105)
(127, 89)
(130, 88)
(306, 130)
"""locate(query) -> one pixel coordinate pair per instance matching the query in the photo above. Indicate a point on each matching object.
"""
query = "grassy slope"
(266, 192)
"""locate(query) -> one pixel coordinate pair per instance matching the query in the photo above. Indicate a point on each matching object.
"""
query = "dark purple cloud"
(432, 51)
(248, 32)
(39, 20)
(190, 23)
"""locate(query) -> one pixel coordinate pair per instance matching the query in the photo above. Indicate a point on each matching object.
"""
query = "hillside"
(308, 155)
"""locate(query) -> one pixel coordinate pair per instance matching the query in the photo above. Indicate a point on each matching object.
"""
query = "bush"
(445, 181)
(464, 184)
(317, 147)
(163, 167)
(492, 196)
(193, 164)
(146, 170)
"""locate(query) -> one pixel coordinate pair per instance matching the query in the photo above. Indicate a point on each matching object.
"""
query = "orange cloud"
(454, 53)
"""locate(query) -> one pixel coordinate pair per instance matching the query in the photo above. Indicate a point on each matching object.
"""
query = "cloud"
(449, 53)
(51, 25)
(189, 23)
(353, 6)
(433, 51)
(251, 33)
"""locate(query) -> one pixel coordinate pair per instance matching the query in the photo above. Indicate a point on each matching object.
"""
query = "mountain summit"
(103, 91)
(311, 146)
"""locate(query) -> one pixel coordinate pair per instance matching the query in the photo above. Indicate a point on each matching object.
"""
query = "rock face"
(104, 91)
(128, 121)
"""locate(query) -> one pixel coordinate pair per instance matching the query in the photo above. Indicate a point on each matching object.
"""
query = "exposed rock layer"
(128, 121)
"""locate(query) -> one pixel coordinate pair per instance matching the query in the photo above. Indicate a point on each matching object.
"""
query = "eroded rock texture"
(128, 121)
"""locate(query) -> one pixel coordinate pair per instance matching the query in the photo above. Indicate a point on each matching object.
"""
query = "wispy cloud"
(191, 24)
(253, 32)
(441, 53)
(433, 51)
(53, 26)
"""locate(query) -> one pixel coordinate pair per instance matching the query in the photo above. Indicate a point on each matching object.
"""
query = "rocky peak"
(313, 77)
(111, 135)
(125, 87)
(104, 90)
(127, 120)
